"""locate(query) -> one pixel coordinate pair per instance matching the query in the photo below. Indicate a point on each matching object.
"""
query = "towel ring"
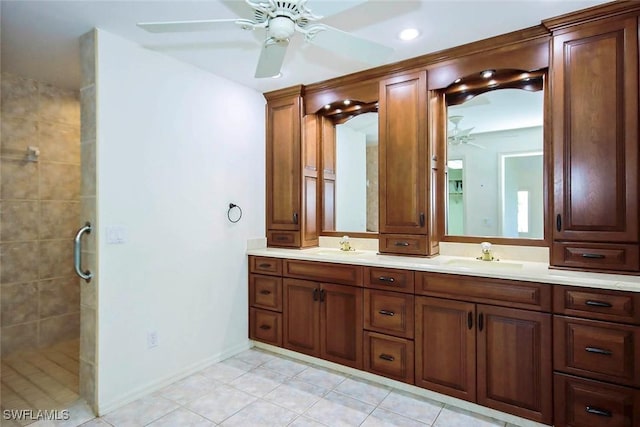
(231, 207)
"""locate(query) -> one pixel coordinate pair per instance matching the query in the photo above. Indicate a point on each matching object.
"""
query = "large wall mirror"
(495, 156)
(350, 169)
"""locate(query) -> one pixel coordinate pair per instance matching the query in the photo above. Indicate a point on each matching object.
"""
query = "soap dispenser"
(345, 244)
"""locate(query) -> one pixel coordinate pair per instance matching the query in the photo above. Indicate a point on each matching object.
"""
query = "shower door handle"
(77, 253)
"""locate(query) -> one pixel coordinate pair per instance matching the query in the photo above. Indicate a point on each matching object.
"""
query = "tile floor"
(258, 388)
(39, 379)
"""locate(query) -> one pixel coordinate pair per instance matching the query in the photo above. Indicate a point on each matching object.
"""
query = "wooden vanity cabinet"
(596, 359)
(323, 320)
(476, 348)
(594, 128)
(291, 171)
(403, 159)
(265, 300)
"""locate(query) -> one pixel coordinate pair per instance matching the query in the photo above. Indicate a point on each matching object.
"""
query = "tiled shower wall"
(39, 214)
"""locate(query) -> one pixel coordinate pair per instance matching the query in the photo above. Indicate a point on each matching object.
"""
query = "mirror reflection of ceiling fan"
(457, 136)
(282, 19)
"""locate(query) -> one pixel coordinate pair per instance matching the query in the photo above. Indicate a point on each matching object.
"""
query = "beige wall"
(40, 210)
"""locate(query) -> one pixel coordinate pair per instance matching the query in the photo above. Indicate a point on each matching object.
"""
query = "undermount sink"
(337, 252)
(475, 263)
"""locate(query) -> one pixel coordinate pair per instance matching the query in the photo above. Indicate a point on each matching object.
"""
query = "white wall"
(175, 146)
(351, 179)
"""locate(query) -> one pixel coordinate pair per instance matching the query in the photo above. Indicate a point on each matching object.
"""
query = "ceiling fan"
(282, 19)
(457, 136)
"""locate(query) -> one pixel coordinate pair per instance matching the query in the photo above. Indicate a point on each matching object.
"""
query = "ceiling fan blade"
(183, 26)
(271, 58)
(349, 45)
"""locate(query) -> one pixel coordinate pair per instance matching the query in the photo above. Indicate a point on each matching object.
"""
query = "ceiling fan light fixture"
(409, 34)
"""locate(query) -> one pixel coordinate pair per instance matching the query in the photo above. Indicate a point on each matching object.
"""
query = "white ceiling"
(39, 39)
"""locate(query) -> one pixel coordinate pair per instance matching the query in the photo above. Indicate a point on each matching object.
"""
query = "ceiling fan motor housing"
(281, 28)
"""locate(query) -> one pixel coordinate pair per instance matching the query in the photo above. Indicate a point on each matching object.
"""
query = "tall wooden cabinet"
(594, 119)
(403, 165)
(291, 171)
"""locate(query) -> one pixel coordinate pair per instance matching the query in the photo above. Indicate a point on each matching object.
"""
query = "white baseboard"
(137, 393)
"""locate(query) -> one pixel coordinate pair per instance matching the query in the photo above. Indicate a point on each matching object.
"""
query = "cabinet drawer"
(389, 279)
(265, 265)
(285, 239)
(389, 356)
(265, 326)
(586, 403)
(600, 350)
(265, 292)
(344, 274)
(389, 313)
(598, 256)
(617, 306)
(511, 293)
(405, 244)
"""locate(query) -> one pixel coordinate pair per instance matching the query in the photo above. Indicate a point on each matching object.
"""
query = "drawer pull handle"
(593, 256)
(265, 327)
(265, 292)
(597, 411)
(402, 244)
(316, 293)
(421, 219)
(264, 265)
(597, 350)
(295, 217)
(386, 279)
(594, 303)
(282, 238)
(386, 313)
(480, 322)
(387, 357)
(470, 320)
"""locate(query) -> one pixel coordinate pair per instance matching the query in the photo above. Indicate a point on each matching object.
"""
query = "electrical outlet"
(152, 339)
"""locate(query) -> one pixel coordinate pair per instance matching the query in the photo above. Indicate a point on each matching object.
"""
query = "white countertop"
(503, 269)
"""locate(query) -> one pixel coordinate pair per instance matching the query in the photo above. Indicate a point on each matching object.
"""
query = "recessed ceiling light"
(409, 34)
(458, 80)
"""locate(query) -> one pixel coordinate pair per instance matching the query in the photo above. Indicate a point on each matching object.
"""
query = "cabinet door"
(514, 362)
(284, 163)
(403, 154)
(445, 347)
(341, 324)
(301, 316)
(594, 85)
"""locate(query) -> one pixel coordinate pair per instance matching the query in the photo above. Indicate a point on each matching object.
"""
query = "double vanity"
(554, 341)
(557, 347)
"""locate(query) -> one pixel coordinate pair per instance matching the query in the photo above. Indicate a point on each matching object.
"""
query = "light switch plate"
(116, 234)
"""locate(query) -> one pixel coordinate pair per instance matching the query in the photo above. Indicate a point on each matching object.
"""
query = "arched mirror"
(495, 156)
(350, 168)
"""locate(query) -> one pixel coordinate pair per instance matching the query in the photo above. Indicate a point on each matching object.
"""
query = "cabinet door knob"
(386, 313)
(387, 357)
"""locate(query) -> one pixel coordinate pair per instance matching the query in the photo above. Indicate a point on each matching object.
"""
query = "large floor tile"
(321, 377)
(296, 395)
(412, 406)
(287, 367)
(454, 417)
(224, 372)
(182, 417)
(255, 384)
(261, 413)
(383, 418)
(189, 389)
(254, 357)
(339, 410)
(221, 403)
(306, 422)
(365, 391)
(141, 412)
